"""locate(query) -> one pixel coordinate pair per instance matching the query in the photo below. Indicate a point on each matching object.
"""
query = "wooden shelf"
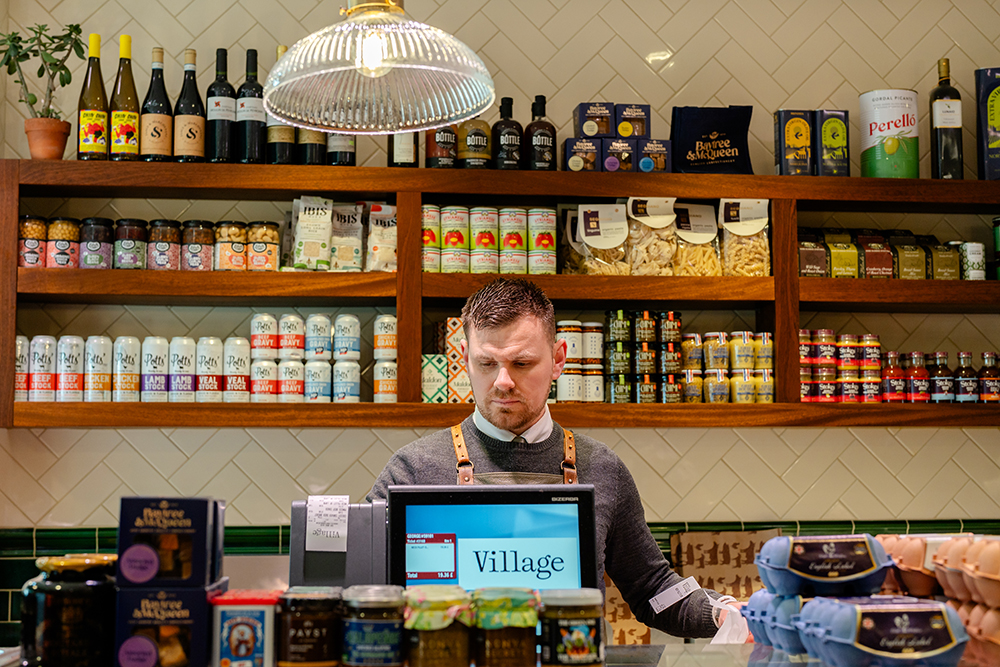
(891, 295)
(215, 288)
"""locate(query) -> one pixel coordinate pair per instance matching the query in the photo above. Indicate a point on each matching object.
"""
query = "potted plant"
(47, 133)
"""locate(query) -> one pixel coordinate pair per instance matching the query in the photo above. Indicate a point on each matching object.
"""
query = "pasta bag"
(381, 239)
(697, 241)
(604, 232)
(571, 245)
(746, 250)
(313, 227)
(652, 236)
(347, 237)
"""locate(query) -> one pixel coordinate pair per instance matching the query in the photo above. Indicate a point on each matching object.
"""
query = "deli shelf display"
(892, 295)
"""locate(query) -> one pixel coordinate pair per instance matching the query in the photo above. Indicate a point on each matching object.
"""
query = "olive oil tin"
(793, 133)
(889, 143)
(831, 144)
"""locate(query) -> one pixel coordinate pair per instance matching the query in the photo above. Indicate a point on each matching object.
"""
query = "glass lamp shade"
(378, 72)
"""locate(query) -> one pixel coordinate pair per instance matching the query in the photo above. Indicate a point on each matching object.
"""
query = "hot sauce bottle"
(918, 383)
(942, 380)
(893, 380)
(966, 380)
(989, 379)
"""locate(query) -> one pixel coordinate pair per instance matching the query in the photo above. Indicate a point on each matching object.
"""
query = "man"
(512, 357)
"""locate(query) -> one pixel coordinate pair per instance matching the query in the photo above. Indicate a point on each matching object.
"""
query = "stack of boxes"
(614, 137)
(444, 377)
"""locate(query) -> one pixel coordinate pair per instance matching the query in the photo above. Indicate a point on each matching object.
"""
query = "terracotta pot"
(47, 137)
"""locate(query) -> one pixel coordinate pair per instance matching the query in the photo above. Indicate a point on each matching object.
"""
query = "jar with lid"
(825, 346)
(806, 355)
(572, 627)
(618, 326)
(942, 380)
(644, 325)
(715, 385)
(505, 626)
(198, 244)
(742, 353)
(870, 353)
(918, 381)
(716, 351)
(691, 385)
(163, 252)
(130, 244)
(309, 623)
(97, 243)
(618, 388)
(670, 326)
(593, 342)
(571, 331)
(438, 618)
(871, 386)
(593, 383)
(32, 232)
(263, 246)
(825, 385)
(373, 625)
(893, 380)
(692, 352)
(742, 388)
(848, 352)
(763, 380)
(569, 384)
(62, 251)
(670, 358)
(670, 388)
(230, 246)
(618, 357)
(848, 387)
(806, 387)
(65, 613)
(646, 389)
(966, 380)
(644, 359)
(763, 346)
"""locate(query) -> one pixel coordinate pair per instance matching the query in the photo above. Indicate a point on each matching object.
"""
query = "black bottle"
(507, 138)
(220, 113)
(539, 148)
(250, 133)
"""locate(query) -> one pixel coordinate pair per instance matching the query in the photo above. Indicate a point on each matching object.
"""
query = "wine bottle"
(157, 119)
(403, 149)
(189, 116)
(280, 136)
(946, 127)
(124, 107)
(250, 119)
(311, 147)
(539, 147)
(507, 138)
(92, 110)
(220, 114)
(341, 150)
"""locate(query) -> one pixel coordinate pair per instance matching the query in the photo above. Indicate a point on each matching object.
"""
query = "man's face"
(511, 369)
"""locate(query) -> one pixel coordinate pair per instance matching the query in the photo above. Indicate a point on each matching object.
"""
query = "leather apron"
(464, 466)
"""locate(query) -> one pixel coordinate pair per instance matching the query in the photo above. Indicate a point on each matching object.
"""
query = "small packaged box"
(632, 121)
(168, 542)
(165, 626)
(831, 143)
(618, 154)
(594, 120)
(582, 155)
(654, 155)
(459, 384)
(244, 628)
(434, 378)
(793, 142)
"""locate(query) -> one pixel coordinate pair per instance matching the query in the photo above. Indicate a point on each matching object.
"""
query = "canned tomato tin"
(385, 337)
(889, 145)
(236, 370)
(69, 369)
(263, 336)
(513, 241)
(208, 366)
(42, 369)
(154, 369)
(430, 225)
(263, 381)
(593, 383)
(484, 229)
(291, 337)
(592, 337)
(181, 378)
(571, 331)
(385, 381)
(318, 337)
(318, 381)
(346, 382)
(21, 346)
(347, 338)
(97, 369)
(541, 241)
(125, 368)
(291, 381)
(454, 239)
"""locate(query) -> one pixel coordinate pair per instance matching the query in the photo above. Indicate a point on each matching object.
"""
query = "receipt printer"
(364, 562)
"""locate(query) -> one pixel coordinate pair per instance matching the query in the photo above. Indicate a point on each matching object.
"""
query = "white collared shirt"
(538, 431)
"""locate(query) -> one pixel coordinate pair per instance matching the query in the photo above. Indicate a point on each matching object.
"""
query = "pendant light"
(378, 72)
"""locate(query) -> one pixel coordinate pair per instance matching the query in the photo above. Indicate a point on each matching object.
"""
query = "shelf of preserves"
(890, 295)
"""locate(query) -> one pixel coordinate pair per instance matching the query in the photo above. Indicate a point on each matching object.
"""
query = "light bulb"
(371, 60)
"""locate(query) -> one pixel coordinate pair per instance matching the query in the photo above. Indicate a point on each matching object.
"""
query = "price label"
(326, 523)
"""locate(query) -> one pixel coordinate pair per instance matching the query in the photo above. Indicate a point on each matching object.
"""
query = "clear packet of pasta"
(697, 241)
(604, 232)
(652, 236)
(571, 244)
(381, 239)
(746, 250)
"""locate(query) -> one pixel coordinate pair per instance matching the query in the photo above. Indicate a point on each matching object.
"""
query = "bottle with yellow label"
(124, 107)
(92, 110)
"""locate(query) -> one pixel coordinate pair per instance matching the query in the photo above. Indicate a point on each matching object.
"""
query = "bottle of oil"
(474, 144)
(539, 148)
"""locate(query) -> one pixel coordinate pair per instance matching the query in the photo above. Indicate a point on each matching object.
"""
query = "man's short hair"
(506, 300)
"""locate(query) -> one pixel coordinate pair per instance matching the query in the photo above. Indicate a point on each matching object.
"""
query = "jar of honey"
(505, 620)
(437, 622)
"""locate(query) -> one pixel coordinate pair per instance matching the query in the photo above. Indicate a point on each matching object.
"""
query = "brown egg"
(988, 634)
(969, 561)
(940, 568)
(986, 572)
(918, 580)
(955, 570)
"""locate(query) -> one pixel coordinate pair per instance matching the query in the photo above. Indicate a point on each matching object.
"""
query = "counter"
(692, 655)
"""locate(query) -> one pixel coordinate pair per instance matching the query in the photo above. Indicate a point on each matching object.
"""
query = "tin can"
(569, 384)
(291, 381)
(484, 230)
(385, 337)
(431, 236)
(69, 369)
(21, 346)
(793, 135)
(593, 383)
(263, 336)
(455, 239)
(155, 369)
(236, 370)
(291, 337)
(318, 338)
(318, 381)
(513, 230)
(125, 369)
(347, 338)
(541, 241)
(889, 143)
(208, 366)
(181, 378)
(263, 381)
(385, 373)
(97, 369)
(346, 382)
(973, 261)
(42, 369)
(571, 331)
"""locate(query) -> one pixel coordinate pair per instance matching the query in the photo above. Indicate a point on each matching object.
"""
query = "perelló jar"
(716, 351)
(65, 613)
(569, 384)
(593, 383)
(644, 326)
(670, 326)
(715, 386)
(763, 380)
(692, 352)
(572, 632)
(742, 354)
(373, 625)
(825, 348)
(742, 388)
(763, 345)
(593, 342)
(670, 388)
(618, 326)
(691, 385)
(438, 618)
(310, 626)
(505, 626)
(572, 332)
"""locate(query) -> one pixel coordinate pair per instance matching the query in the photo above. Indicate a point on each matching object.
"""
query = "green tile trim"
(10, 634)
(17, 542)
(13, 573)
(59, 541)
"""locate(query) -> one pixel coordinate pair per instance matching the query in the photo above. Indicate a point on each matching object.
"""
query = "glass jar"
(691, 385)
(572, 626)
(715, 385)
(989, 379)
(848, 352)
(644, 326)
(263, 246)
(593, 343)
(716, 351)
(310, 629)
(870, 354)
(742, 353)
(825, 385)
(644, 359)
(618, 388)
(62, 250)
(32, 232)
(670, 358)
(618, 326)
(848, 387)
(646, 389)
(163, 252)
(198, 243)
(571, 331)
(692, 352)
(670, 326)
(569, 384)
(670, 388)
(505, 626)
(893, 380)
(373, 625)
(763, 380)
(742, 388)
(66, 614)
(438, 618)
(130, 244)
(805, 385)
(230, 246)
(806, 356)
(593, 383)
(97, 243)
(871, 386)
(825, 347)
(618, 357)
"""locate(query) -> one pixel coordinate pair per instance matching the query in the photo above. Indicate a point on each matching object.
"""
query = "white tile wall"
(769, 53)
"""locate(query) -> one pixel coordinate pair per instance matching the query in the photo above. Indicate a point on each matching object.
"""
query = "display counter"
(744, 655)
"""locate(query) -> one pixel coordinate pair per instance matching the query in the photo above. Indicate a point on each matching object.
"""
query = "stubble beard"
(509, 419)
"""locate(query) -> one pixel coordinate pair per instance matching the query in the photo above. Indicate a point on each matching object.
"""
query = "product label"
(230, 257)
(373, 643)
(871, 391)
(154, 388)
(130, 254)
(93, 131)
(894, 389)
(189, 136)
(918, 390)
(340, 143)
(278, 133)
(947, 113)
(163, 256)
(291, 385)
(62, 254)
(910, 632)
(236, 388)
(124, 133)
(181, 388)
(31, 253)
(196, 257)
(242, 640)
(262, 257)
(157, 134)
(221, 108)
(126, 386)
(95, 255)
(889, 144)
(403, 150)
(942, 389)
(967, 390)
(312, 137)
(250, 109)
(209, 389)
(830, 558)
(989, 390)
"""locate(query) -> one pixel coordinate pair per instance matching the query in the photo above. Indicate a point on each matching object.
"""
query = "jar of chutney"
(438, 618)
(572, 621)
(310, 626)
(130, 244)
(373, 625)
(97, 243)
(505, 626)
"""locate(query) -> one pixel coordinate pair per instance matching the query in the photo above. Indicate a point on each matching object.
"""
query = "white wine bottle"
(946, 127)
(92, 110)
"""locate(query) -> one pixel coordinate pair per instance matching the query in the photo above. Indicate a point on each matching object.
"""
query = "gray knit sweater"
(625, 547)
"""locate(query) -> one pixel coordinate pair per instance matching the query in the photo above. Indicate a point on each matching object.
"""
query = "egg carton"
(983, 626)
(915, 572)
(968, 569)
(829, 565)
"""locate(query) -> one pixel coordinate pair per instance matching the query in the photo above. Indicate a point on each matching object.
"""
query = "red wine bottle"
(221, 113)
(189, 115)
(156, 119)
(251, 123)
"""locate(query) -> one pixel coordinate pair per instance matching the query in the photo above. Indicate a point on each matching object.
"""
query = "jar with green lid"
(505, 626)
(571, 623)
(310, 628)
(618, 326)
(618, 388)
(373, 626)
(67, 613)
(438, 618)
